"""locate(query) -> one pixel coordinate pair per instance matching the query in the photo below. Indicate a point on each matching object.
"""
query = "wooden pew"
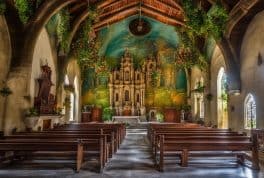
(191, 132)
(184, 145)
(119, 129)
(65, 136)
(30, 145)
(111, 139)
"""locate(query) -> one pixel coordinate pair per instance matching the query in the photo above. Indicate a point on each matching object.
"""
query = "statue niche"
(45, 101)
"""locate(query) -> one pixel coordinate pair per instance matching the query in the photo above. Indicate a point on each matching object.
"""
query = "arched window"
(199, 99)
(71, 107)
(76, 99)
(201, 104)
(222, 99)
(250, 117)
(66, 80)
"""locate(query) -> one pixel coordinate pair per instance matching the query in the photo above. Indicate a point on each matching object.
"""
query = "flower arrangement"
(160, 117)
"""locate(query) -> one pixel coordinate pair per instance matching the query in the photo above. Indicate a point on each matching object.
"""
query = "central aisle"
(133, 156)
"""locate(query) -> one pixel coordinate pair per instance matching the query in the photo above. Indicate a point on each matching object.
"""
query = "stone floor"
(133, 160)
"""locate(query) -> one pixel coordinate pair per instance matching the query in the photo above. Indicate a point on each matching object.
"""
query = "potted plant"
(107, 114)
(31, 118)
(160, 117)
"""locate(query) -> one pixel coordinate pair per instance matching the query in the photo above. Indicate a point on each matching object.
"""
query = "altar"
(126, 119)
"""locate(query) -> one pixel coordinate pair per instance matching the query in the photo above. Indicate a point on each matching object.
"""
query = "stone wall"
(252, 74)
(22, 81)
(5, 58)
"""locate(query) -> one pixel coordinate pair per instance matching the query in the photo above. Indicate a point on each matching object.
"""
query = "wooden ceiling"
(166, 11)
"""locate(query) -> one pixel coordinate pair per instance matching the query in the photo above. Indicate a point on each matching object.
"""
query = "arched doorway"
(222, 99)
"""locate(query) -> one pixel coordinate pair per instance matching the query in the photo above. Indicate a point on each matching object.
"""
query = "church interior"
(132, 88)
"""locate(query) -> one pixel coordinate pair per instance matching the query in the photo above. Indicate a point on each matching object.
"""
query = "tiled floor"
(133, 160)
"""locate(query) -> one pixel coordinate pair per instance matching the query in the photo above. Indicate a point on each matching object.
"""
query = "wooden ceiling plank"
(115, 10)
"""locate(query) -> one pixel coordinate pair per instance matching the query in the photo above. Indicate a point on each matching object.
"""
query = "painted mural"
(158, 44)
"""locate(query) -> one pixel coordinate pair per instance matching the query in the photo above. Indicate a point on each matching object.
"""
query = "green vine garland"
(2, 7)
(200, 25)
(26, 8)
(63, 29)
(85, 47)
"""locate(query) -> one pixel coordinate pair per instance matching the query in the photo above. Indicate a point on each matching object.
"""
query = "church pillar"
(132, 98)
(16, 103)
(111, 99)
(121, 99)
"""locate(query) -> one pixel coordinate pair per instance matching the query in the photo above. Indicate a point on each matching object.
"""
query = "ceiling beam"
(120, 7)
(77, 6)
(105, 3)
(116, 17)
(171, 3)
(133, 11)
(166, 10)
(161, 17)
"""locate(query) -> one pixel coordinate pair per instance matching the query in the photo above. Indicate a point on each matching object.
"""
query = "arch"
(250, 112)
(222, 115)
(43, 55)
(76, 99)
(72, 99)
(199, 99)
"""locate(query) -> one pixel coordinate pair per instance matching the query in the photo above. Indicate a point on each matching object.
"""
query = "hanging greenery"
(2, 7)
(63, 29)
(205, 24)
(216, 20)
(200, 25)
(101, 68)
(112, 63)
(85, 47)
(25, 9)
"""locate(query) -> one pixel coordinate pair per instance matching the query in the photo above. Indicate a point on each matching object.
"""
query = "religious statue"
(45, 101)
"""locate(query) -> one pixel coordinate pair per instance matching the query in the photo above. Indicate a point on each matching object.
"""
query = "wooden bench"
(183, 132)
(31, 145)
(184, 145)
(118, 129)
(105, 153)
